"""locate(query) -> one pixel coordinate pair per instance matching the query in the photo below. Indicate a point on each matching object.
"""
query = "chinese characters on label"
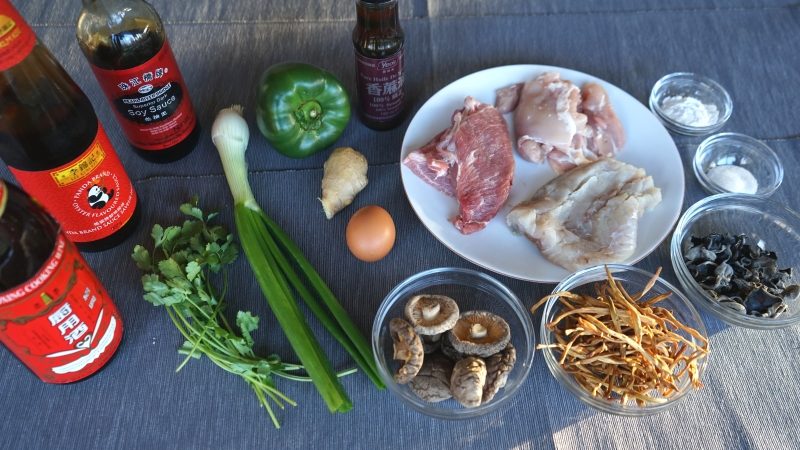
(380, 86)
(71, 327)
(146, 77)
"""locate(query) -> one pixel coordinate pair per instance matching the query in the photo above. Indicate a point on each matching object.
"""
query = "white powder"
(733, 179)
(690, 111)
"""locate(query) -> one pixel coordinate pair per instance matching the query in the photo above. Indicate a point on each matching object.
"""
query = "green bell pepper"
(301, 109)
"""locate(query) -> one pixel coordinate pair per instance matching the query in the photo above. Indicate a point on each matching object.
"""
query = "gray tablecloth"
(752, 393)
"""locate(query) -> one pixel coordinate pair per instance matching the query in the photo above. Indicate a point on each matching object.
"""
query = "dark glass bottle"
(55, 316)
(380, 78)
(127, 48)
(54, 145)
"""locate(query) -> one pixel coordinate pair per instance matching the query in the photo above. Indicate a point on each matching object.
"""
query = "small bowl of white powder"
(733, 162)
(690, 104)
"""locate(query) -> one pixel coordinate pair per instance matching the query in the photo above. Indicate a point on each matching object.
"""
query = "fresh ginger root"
(345, 175)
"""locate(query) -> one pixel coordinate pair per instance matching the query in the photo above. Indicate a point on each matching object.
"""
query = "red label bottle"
(55, 316)
(55, 146)
(127, 48)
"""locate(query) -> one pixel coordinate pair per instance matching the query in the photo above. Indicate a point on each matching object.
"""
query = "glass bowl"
(777, 226)
(687, 84)
(736, 149)
(633, 280)
(471, 290)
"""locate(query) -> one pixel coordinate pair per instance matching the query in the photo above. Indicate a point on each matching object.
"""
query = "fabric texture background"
(752, 393)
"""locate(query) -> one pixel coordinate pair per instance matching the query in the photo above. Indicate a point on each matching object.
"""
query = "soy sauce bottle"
(54, 145)
(55, 315)
(380, 80)
(128, 50)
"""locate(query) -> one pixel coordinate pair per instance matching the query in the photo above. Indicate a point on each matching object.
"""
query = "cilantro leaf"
(192, 210)
(142, 258)
(192, 270)
(170, 269)
(157, 235)
(247, 323)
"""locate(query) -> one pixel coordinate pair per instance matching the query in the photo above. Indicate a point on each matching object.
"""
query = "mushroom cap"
(447, 349)
(479, 333)
(407, 348)
(468, 380)
(432, 383)
(498, 366)
(431, 314)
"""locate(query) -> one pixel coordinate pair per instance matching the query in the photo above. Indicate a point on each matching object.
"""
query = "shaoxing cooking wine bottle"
(55, 146)
(128, 50)
(378, 41)
(55, 316)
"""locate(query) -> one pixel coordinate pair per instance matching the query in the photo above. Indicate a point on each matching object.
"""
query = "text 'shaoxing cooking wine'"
(55, 316)
(55, 146)
(127, 48)
(380, 78)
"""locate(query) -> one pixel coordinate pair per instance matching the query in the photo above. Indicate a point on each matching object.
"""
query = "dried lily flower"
(624, 347)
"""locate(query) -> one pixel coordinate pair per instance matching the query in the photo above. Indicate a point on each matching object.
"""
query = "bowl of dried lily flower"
(623, 340)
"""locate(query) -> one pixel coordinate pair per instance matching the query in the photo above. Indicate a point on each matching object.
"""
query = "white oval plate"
(495, 248)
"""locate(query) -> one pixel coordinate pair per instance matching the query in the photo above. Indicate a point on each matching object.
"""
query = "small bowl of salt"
(690, 104)
(733, 162)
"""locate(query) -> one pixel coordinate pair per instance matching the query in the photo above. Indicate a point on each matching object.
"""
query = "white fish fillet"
(588, 215)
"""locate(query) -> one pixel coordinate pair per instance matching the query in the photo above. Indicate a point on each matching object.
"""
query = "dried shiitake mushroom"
(407, 348)
(468, 380)
(432, 383)
(448, 350)
(498, 366)
(431, 315)
(479, 333)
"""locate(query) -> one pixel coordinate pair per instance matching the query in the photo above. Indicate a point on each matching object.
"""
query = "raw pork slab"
(472, 160)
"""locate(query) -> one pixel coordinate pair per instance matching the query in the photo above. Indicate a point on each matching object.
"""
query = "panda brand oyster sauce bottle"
(128, 50)
(380, 67)
(55, 316)
(53, 143)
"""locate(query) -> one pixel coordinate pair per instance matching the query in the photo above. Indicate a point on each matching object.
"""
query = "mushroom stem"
(430, 312)
(477, 331)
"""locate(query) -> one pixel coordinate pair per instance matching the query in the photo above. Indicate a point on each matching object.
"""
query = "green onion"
(266, 247)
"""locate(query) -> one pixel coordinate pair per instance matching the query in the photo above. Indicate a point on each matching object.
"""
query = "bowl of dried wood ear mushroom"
(453, 343)
(623, 340)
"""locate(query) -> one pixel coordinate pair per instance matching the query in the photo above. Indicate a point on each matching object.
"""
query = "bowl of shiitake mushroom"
(453, 343)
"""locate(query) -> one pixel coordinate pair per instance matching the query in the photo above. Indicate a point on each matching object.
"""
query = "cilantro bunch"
(179, 275)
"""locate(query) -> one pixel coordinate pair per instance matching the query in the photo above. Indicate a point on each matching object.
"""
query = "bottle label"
(16, 37)
(380, 86)
(91, 196)
(61, 323)
(151, 101)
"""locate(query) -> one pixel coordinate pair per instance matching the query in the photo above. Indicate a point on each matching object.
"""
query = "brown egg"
(370, 233)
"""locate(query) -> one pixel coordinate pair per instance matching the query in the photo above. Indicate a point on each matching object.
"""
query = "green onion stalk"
(275, 261)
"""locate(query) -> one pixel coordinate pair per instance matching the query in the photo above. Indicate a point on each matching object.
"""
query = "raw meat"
(435, 163)
(561, 124)
(472, 160)
(547, 116)
(506, 98)
(604, 133)
(589, 215)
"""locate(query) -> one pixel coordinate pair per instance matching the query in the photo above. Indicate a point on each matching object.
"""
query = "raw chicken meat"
(604, 133)
(506, 99)
(557, 122)
(472, 160)
(588, 215)
(547, 116)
